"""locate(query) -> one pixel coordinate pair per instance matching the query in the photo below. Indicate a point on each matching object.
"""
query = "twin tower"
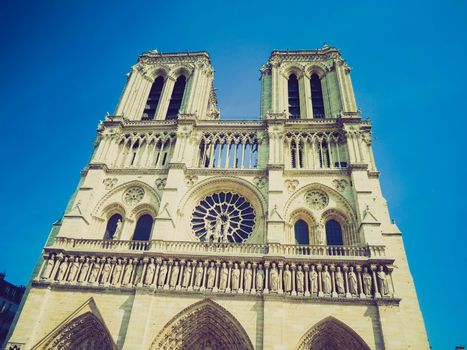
(187, 231)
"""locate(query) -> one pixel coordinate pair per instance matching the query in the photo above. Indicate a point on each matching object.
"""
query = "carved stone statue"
(352, 281)
(162, 274)
(248, 278)
(218, 229)
(313, 280)
(340, 286)
(117, 272)
(223, 277)
(211, 276)
(48, 268)
(274, 278)
(105, 273)
(94, 273)
(127, 273)
(62, 270)
(138, 273)
(187, 275)
(235, 277)
(74, 267)
(174, 276)
(149, 273)
(287, 279)
(300, 279)
(118, 230)
(259, 278)
(366, 282)
(199, 275)
(209, 231)
(84, 271)
(321, 233)
(327, 283)
(382, 281)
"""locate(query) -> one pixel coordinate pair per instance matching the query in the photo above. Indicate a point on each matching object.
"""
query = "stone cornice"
(152, 57)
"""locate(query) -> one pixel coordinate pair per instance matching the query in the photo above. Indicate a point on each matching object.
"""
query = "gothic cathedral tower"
(191, 232)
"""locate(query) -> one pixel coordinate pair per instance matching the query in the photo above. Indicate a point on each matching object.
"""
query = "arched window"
(176, 98)
(317, 97)
(333, 233)
(143, 228)
(294, 97)
(301, 232)
(153, 99)
(114, 223)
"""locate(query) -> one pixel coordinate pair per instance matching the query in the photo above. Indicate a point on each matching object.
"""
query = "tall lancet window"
(317, 97)
(294, 98)
(153, 99)
(333, 233)
(177, 97)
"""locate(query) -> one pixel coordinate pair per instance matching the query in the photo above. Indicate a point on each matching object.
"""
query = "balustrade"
(185, 247)
(297, 278)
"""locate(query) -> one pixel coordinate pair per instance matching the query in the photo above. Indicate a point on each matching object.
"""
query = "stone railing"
(219, 248)
(352, 278)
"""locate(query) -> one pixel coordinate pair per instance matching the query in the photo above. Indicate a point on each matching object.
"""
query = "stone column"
(306, 268)
(358, 271)
(253, 273)
(375, 281)
(227, 290)
(266, 277)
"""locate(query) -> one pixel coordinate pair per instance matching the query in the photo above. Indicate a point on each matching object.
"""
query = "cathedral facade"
(187, 231)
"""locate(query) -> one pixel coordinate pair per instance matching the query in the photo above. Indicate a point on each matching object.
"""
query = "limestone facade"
(188, 231)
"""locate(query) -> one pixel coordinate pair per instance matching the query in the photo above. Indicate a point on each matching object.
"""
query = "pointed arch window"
(317, 96)
(113, 224)
(294, 97)
(143, 228)
(176, 98)
(334, 233)
(301, 232)
(153, 99)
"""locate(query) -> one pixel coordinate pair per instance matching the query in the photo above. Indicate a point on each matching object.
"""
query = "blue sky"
(64, 64)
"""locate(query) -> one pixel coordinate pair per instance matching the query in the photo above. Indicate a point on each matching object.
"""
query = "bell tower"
(191, 232)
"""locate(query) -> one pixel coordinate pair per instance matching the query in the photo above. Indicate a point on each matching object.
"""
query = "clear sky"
(64, 64)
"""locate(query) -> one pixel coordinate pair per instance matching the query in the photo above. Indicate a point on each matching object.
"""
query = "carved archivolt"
(331, 334)
(204, 325)
(85, 332)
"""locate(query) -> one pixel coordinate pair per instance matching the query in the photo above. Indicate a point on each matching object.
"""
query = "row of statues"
(221, 276)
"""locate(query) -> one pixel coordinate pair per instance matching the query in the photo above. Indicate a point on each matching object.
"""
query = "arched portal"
(204, 325)
(331, 334)
(85, 332)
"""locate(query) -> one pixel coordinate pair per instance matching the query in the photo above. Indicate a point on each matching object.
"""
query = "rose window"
(317, 199)
(223, 217)
(133, 195)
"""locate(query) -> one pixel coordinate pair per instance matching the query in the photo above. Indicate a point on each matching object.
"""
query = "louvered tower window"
(317, 97)
(294, 98)
(176, 98)
(153, 99)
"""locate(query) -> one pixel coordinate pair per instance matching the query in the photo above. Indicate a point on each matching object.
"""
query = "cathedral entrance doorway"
(203, 326)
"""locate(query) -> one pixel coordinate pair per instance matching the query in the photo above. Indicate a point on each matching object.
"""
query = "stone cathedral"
(191, 232)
